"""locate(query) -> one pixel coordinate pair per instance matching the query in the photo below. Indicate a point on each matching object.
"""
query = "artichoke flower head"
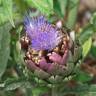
(48, 50)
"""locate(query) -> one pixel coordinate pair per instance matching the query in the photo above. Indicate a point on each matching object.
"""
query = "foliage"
(12, 64)
(4, 47)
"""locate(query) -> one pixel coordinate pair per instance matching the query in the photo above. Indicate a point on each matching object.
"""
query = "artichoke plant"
(49, 49)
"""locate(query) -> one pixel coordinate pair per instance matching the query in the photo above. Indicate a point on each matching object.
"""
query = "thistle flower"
(42, 34)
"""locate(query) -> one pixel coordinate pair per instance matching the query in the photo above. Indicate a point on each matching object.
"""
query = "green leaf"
(3, 17)
(82, 76)
(50, 3)
(92, 88)
(7, 8)
(22, 6)
(93, 21)
(6, 16)
(93, 51)
(72, 13)
(45, 6)
(80, 88)
(18, 53)
(60, 7)
(4, 47)
(40, 90)
(0, 1)
(12, 84)
(86, 47)
(85, 34)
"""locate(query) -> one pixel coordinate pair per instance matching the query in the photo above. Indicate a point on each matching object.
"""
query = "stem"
(54, 90)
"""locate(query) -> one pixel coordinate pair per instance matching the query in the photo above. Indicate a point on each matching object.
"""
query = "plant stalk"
(54, 90)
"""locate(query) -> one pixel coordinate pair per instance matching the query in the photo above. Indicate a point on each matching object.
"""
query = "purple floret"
(42, 34)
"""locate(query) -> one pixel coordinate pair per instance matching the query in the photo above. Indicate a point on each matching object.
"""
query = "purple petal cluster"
(42, 34)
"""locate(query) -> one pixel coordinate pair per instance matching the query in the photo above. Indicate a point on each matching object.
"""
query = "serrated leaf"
(86, 47)
(12, 84)
(4, 47)
(60, 7)
(45, 6)
(7, 8)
